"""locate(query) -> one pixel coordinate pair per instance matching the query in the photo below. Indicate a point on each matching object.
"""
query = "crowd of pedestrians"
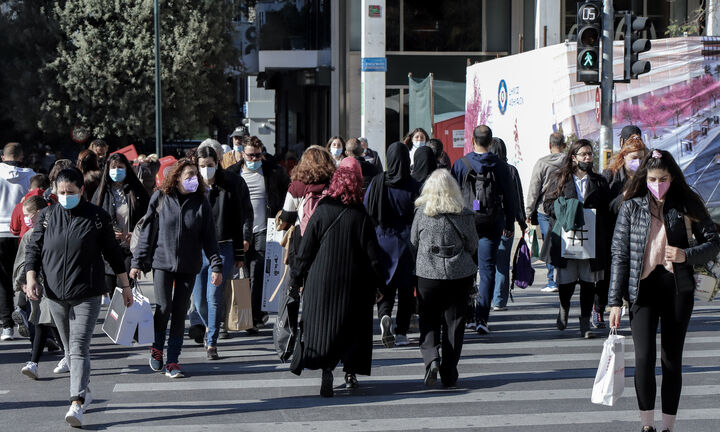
(435, 237)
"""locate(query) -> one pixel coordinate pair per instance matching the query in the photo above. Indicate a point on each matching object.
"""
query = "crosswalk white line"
(604, 416)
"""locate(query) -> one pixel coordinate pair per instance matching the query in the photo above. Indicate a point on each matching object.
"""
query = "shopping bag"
(239, 307)
(285, 329)
(523, 273)
(531, 239)
(580, 243)
(145, 327)
(121, 321)
(610, 378)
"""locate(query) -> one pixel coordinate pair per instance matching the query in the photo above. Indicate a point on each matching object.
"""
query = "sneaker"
(648, 429)
(415, 323)
(62, 367)
(253, 331)
(597, 319)
(431, 373)
(21, 321)
(562, 318)
(326, 387)
(8, 333)
(401, 340)
(172, 370)
(550, 289)
(74, 416)
(30, 370)
(51, 345)
(212, 353)
(482, 328)
(156, 359)
(499, 308)
(88, 399)
(263, 320)
(105, 300)
(351, 381)
(197, 333)
(223, 334)
(470, 326)
(388, 339)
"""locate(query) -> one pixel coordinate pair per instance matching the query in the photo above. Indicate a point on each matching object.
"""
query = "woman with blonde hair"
(445, 241)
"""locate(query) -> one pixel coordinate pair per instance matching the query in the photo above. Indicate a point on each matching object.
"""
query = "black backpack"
(481, 193)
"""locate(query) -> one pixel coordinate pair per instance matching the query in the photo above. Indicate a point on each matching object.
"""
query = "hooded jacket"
(540, 182)
(14, 184)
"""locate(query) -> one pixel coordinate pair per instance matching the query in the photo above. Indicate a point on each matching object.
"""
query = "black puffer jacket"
(631, 237)
(230, 201)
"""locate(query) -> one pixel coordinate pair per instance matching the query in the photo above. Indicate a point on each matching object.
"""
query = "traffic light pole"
(606, 84)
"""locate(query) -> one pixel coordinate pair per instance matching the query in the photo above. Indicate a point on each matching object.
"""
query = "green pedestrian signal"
(589, 61)
(589, 33)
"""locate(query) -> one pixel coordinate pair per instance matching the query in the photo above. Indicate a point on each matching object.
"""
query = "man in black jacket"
(267, 183)
(353, 148)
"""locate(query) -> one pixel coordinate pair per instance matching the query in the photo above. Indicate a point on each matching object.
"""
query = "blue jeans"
(502, 273)
(544, 222)
(208, 297)
(487, 257)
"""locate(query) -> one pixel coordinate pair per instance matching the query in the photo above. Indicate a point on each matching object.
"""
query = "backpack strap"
(467, 164)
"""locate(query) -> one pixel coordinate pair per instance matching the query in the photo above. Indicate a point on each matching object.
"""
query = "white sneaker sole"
(388, 338)
(73, 421)
(28, 373)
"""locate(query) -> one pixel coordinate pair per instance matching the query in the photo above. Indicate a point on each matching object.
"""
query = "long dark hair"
(679, 193)
(137, 191)
(567, 170)
(408, 138)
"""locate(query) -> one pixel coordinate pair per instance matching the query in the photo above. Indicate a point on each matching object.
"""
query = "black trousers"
(8, 250)
(587, 295)
(403, 287)
(42, 332)
(658, 300)
(256, 267)
(442, 305)
(601, 293)
(172, 296)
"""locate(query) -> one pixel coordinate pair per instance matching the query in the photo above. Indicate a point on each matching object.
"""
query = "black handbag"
(286, 326)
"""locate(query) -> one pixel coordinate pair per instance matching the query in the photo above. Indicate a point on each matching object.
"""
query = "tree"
(676, 101)
(629, 113)
(477, 113)
(105, 63)
(652, 114)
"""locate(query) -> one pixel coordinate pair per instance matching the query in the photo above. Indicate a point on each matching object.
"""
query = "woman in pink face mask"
(652, 265)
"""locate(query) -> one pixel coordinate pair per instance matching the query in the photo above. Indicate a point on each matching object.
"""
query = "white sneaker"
(401, 340)
(88, 399)
(8, 333)
(549, 289)
(387, 337)
(30, 370)
(62, 367)
(105, 301)
(74, 416)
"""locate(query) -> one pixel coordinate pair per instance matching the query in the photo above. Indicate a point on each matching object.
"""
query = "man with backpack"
(488, 190)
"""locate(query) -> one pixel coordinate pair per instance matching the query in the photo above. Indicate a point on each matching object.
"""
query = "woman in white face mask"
(230, 200)
(336, 147)
(414, 140)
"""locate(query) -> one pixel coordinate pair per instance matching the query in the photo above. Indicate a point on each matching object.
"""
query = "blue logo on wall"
(502, 97)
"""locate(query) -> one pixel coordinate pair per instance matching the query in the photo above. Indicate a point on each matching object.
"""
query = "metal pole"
(158, 95)
(606, 84)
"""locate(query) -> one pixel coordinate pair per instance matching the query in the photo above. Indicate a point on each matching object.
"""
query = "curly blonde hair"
(440, 195)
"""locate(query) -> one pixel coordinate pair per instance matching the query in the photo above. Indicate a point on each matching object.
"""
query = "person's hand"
(675, 255)
(615, 315)
(119, 235)
(378, 297)
(32, 290)
(246, 245)
(127, 296)
(508, 233)
(238, 264)
(135, 274)
(528, 220)
(216, 278)
(128, 237)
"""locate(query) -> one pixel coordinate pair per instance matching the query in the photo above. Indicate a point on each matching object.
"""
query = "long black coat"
(597, 196)
(340, 270)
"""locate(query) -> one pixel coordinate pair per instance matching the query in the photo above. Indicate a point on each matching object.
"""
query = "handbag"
(707, 277)
(124, 324)
(523, 273)
(610, 378)
(285, 329)
(239, 306)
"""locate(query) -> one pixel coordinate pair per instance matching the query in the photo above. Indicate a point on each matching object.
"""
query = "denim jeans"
(544, 222)
(75, 321)
(487, 257)
(208, 297)
(172, 297)
(502, 273)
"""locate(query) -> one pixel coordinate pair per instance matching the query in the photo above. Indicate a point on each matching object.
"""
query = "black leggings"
(42, 332)
(587, 295)
(658, 300)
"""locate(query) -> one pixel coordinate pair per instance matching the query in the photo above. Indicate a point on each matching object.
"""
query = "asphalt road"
(526, 375)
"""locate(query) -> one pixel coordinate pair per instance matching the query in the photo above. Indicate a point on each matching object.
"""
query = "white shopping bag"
(274, 268)
(145, 325)
(610, 378)
(121, 321)
(580, 243)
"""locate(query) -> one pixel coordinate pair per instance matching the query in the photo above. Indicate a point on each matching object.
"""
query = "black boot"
(562, 318)
(326, 388)
(585, 330)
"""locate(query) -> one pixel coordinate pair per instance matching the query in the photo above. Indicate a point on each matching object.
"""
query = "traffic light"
(635, 45)
(589, 33)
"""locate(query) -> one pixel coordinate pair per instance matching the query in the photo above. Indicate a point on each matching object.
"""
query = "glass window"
(392, 25)
(393, 120)
(449, 25)
(355, 17)
(529, 25)
(498, 25)
(284, 26)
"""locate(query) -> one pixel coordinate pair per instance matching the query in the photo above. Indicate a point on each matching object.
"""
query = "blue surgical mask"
(418, 144)
(336, 151)
(253, 165)
(69, 202)
(238, 148)
(117, 174)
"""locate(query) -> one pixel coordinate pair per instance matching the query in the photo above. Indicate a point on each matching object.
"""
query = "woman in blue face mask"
(336, 147)
(68, 244)
(123, 196)
(177, 228)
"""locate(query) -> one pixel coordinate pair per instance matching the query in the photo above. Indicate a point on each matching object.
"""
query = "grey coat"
(540, 182)
(445, 245)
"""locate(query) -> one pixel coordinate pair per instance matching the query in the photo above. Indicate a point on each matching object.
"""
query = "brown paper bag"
(239, 307)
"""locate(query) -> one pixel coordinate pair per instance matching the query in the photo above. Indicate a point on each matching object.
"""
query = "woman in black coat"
(575, 175)
(652, 265)
(121, 194)
(339, 267)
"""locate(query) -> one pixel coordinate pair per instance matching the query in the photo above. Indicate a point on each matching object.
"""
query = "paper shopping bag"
(121, 321)
(610, 378)
(239, 308)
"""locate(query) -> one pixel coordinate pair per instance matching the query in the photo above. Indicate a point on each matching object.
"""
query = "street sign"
(373, 64)
(597, 104)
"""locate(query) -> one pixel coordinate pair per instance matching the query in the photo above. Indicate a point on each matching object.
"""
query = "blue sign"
(374, 64)
(502, 97)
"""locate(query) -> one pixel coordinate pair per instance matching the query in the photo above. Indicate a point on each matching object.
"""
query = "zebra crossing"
(525, 375)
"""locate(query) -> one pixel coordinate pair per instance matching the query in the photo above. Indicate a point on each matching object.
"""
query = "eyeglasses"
(253, 155)
(584, 154)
